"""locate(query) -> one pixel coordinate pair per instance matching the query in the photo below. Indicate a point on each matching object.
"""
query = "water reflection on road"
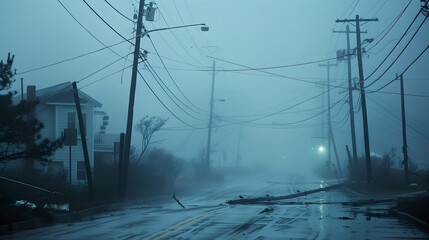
(336, 214)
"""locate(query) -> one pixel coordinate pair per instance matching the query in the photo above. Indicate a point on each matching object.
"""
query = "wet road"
(324, 215)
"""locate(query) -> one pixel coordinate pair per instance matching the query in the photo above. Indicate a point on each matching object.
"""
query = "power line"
(311, 117)
(258, 115)
(129, 19)
(399, 119)
(353, 9)
(99, 70)
(325, 84)
(86, 29)
(398, 55)
(147, 84)
(267, 68)
(174, 35)
(295, 78)
(155, 74)
(332, 34)
(421, 125)
(73, 58)
(276, 126)
(178, 61)
(406, 69)
(391, 25)
(265, 75)
(164, 86)
(406, 94)
(181, 19)
(274, 113)
(169, 46)
(98, 15)
(109, 75)
(285, 109)
(279, 75)
(391, 51)
(171, 77)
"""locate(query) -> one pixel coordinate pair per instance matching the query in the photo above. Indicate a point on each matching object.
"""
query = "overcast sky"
(245, 32)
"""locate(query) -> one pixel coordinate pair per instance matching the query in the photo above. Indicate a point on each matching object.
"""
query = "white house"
(57, 111)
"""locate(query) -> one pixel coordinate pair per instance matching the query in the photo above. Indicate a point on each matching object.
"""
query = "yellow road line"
(173, 229)
(168, 229)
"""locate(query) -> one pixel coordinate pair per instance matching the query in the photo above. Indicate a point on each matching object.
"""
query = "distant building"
(57, 111)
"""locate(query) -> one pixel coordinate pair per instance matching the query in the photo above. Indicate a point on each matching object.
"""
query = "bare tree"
(147, 127)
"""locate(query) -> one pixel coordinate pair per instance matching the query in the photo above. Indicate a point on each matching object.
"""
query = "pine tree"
(20, 137)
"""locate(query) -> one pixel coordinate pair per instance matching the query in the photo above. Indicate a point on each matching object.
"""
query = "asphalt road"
(336, 214)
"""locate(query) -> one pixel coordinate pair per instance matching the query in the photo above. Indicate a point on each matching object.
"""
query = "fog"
(254, 34)
(251, 33)
(261, 86)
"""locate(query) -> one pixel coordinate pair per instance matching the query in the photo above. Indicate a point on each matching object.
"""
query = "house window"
(72, 119)
(81, 170)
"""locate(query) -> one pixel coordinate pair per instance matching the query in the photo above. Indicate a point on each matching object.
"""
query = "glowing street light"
(321, 149)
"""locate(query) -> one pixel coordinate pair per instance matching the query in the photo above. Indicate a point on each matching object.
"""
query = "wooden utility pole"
(83, 139)
(121, 166)
(357, 22)
(335, 151)
(348, 155)
(206, 164)
(328, 66)
(404, 129)
(351, 105)
(22, 89)
(131, 100)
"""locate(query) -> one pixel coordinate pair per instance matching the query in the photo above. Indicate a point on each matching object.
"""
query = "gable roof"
(61, 93)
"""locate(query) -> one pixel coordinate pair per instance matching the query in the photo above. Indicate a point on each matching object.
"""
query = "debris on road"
(269, 198)
(178, 202)
(57, 207)
(24, 203)
(268, 209)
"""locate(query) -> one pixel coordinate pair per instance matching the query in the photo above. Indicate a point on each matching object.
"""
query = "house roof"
(61, 93)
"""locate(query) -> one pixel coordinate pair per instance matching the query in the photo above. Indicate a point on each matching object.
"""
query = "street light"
(127, 142)
(203, 28)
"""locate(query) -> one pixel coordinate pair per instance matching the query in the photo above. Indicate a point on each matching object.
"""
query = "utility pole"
(238, 147)
(351, 105)
(357, 22)
(131, 100)
(335, 151)
(404, 129)
(84, 144)
(206, 163)
(121, 166)
(22, 89)
(328, 66)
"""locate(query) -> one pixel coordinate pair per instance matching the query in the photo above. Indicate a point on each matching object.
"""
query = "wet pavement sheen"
(324, 215)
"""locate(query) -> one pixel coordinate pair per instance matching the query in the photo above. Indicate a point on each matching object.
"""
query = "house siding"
(77, 152)
(55, 103)
(46, 115)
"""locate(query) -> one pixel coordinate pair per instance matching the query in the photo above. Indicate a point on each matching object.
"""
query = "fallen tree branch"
(267, 199)
(178, 202)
